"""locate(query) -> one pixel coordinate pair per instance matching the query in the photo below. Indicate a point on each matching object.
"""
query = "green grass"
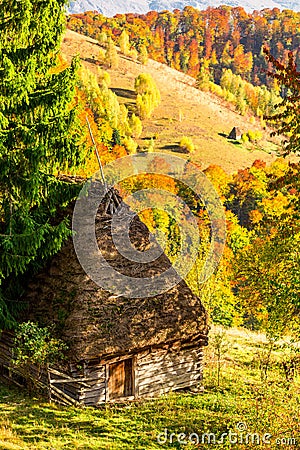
(271, 407)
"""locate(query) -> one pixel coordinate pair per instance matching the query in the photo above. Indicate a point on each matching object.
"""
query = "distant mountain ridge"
(111, 7)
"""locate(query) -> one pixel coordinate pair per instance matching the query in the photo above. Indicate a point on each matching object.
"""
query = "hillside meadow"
(184, 111)
(245, 401)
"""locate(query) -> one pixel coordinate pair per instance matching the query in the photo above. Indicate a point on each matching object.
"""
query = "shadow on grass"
(125, 93)
(175, 148)
(91, 60)
(233, 141)
(136, 425)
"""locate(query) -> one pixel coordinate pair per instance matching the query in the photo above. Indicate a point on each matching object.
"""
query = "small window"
(120, 382)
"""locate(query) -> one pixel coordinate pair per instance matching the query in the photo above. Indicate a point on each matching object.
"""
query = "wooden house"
(119, 348)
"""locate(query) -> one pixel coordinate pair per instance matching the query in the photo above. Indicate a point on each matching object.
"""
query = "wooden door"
(120, 382)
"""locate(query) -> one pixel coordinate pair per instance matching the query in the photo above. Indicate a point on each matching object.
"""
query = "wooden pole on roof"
(113, 195)
(97, 154)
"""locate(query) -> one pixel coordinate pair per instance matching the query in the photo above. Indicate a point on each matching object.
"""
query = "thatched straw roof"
(94, 322)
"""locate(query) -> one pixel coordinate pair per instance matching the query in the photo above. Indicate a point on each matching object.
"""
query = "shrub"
(144, 105)
(251, 135)
(111, 55)
(187, 144)
(143, 54)
(259, 135)
(35, 345)
(101, 55)
(130, 145)
(150, 145)
(102, 38)
(103, 77)
(230, 97)
(216, 89)
(254, 136)
(136, 126)
(144, 84)
(133, 54)
(241, 105)
(124, 43)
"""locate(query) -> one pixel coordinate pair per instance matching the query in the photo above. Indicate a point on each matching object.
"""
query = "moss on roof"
(96, 323)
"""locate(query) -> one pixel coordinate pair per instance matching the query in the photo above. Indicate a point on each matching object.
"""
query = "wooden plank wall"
(164, 370)
(95, 393)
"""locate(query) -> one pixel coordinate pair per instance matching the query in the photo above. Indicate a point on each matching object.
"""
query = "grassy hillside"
(184, 110)
(242, 400)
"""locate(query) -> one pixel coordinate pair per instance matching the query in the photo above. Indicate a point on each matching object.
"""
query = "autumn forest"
(246, 59)
(83, 90)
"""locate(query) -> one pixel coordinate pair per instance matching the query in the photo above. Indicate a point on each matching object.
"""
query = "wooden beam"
(106, 382)
(66, 397)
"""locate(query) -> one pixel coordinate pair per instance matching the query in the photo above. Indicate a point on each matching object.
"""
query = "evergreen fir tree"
(116, 138)
(38, 138)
